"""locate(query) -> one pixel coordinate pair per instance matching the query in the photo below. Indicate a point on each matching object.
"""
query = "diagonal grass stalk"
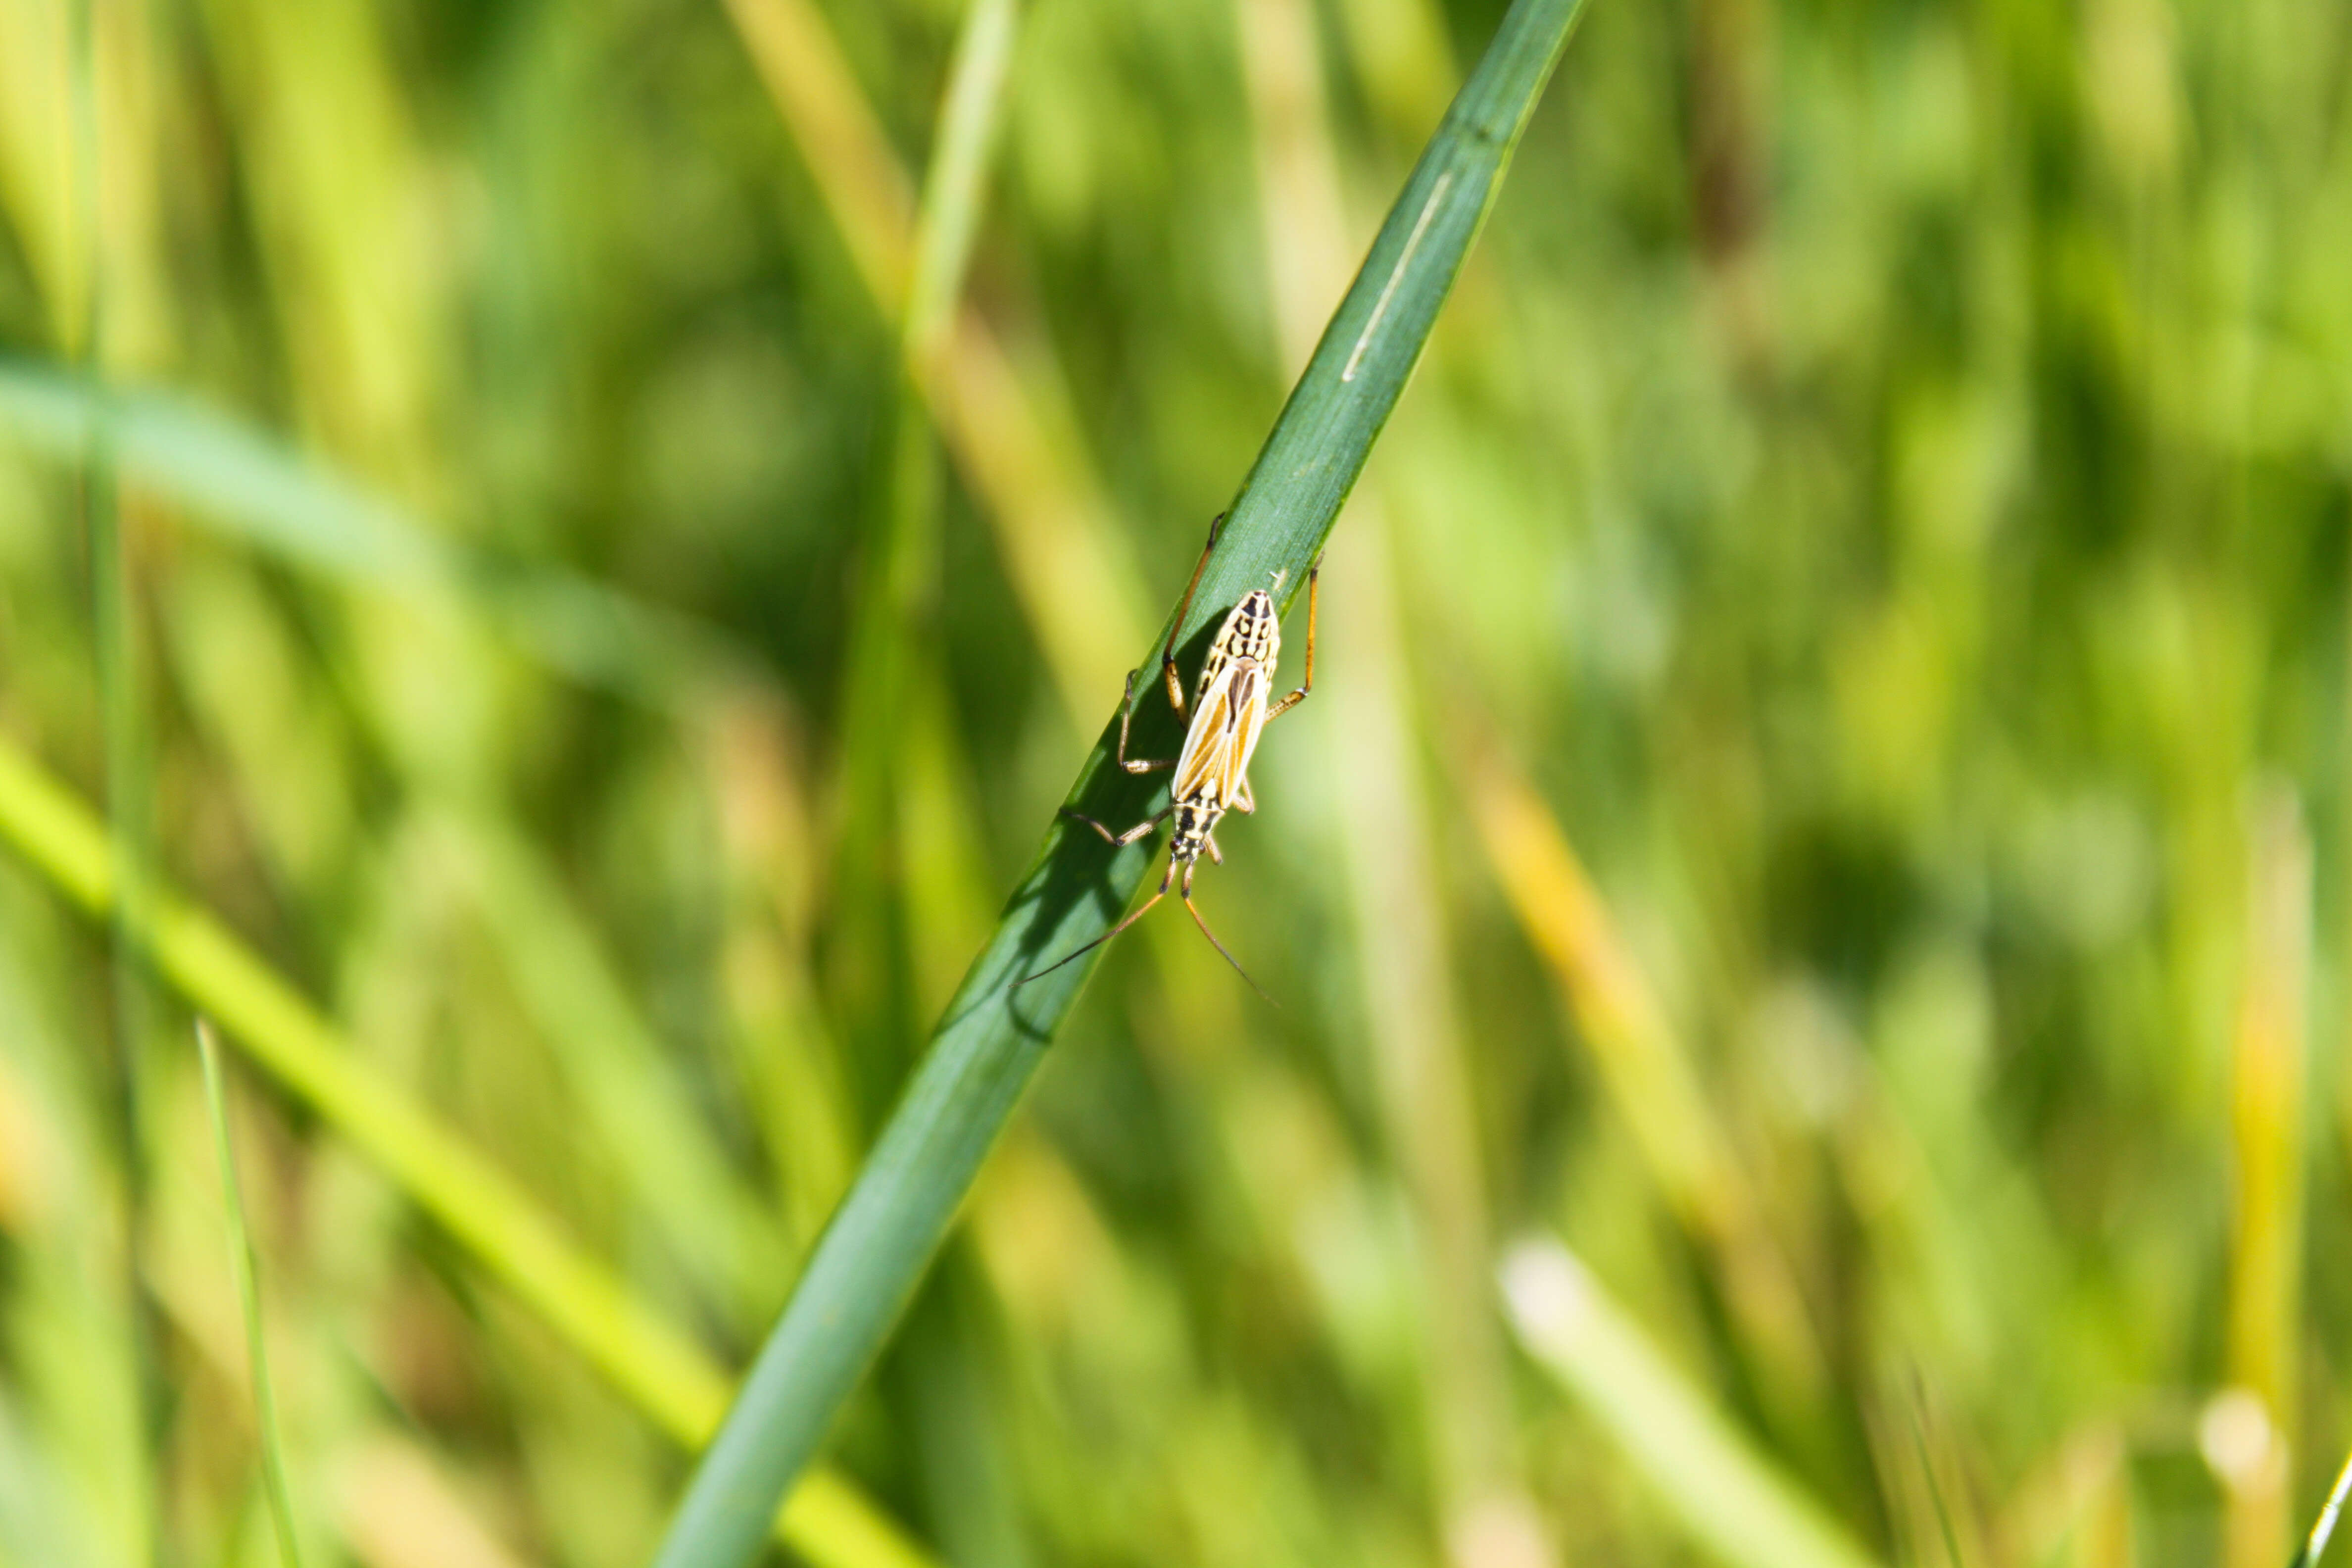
(1646, 1068)
(1388, 854)
(886, 883)
(248, 1301)
(654, 1366)
(2314, 1546)
(992, 1037)
(247, 487)
(721, 1233)
(1731, 1500)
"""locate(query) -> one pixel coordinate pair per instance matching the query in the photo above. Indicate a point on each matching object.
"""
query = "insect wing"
(1225, 727)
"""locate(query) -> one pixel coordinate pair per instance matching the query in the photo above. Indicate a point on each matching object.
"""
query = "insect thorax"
(1251, 631)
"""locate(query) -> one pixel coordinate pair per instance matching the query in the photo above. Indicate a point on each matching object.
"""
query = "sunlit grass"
(1825, 791)
(244, 1269)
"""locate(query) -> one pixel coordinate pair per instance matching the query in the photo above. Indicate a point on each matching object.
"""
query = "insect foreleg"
(1314, 595)
(1121, 840)
(1127, 715)
(1167, 653)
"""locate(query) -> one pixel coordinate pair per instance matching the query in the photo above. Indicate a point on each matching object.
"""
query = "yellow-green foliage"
(615, 525)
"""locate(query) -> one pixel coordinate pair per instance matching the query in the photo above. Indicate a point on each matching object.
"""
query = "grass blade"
(892, 641)
(991, 1038)
(250, 488)
(654, 1366)
(129, 775)
(1389, 853)
(1005, 423)
(2268, 1072)
(2315, 1544)
(248, 1301)
(1732, 1499)
(1646, 1068)
(955, 189)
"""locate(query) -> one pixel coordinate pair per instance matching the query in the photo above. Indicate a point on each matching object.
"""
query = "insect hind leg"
(1121, 840)
(1185, 892)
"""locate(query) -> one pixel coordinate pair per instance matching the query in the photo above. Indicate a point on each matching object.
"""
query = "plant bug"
(1228, 710)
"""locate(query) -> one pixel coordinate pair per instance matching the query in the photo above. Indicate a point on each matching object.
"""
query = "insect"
(1228, 710)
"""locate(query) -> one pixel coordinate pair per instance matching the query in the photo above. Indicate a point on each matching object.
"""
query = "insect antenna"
(1192, 910)
(1106, 936)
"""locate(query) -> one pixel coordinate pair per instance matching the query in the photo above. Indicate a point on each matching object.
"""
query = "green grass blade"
(720, 1232)
(129, 774)
(991, 1038)
(246, 487)
(2315, 1544)
(1732, 1500)
(891, 638)
(248, 1301)
(654, 1366)
(955, 188)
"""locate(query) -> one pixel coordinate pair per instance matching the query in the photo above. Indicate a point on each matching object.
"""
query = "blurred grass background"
(1826, 799)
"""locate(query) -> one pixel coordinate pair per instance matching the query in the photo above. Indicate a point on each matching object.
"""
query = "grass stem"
(654, 1366)
(992, 1036)
(248, 1300)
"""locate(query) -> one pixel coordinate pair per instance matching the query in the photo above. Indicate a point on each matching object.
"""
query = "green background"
(1823, 796)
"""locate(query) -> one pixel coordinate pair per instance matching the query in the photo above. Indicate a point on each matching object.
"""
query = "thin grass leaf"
(248, 1300)
(1007, 424)
(1732, 1499)
(891, 642)
(720, 1232)
(1645, 1067)
(870, 196)
(992, 1036)
(655, 1367)
(129, 773)
(2268, 1075)
(956, 187)
(2316, 1543)
(250, 488)
(1389, 855)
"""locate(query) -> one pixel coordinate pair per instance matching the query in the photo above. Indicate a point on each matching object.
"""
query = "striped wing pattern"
(1224, 733)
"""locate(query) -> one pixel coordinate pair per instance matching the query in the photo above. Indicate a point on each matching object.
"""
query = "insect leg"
(1313, 595)
(1121, 840)
(1114, 930)
(1126, 714)
(1194, 910)
(1168, 654)
(1245, 797)
(1215, 853)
